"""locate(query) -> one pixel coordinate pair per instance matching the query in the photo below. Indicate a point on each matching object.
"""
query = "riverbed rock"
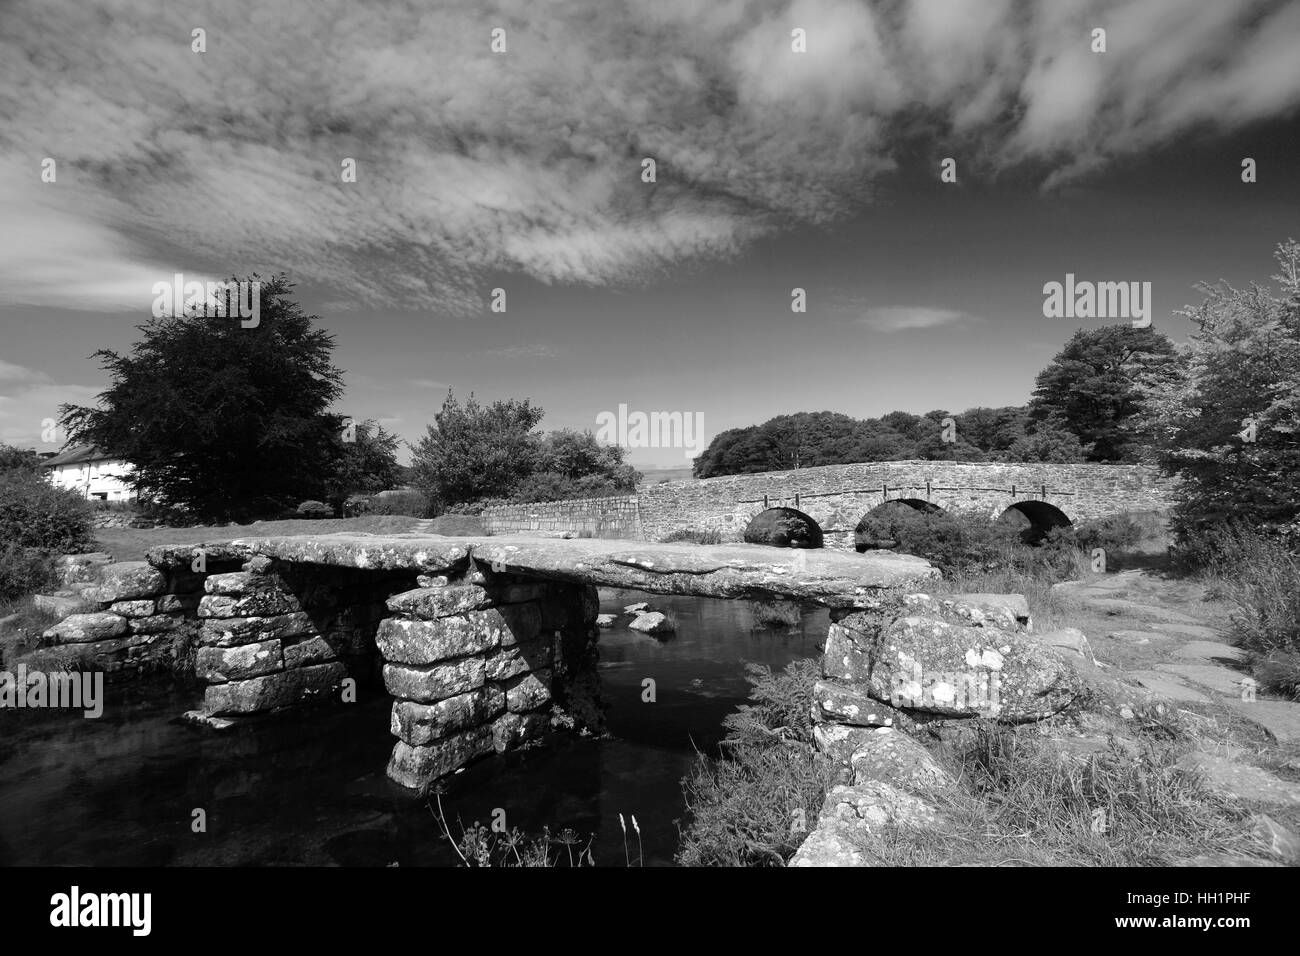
(604, 621)
(641, 607)
(652, 622)
(127, 581)
(82, 628)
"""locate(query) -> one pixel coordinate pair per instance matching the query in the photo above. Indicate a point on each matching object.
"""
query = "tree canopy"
(226, 421)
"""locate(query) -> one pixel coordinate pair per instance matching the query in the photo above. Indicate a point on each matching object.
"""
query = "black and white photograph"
(650, 434)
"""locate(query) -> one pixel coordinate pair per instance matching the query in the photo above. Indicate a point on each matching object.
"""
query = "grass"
(1259, 577)
(483, 846)
(693, 536)
(774, 614)
(743, 806)
(1019, 801)
(130, 544)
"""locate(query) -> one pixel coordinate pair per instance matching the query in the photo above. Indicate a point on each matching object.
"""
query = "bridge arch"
(784, 528)
(863, 537)
(1035, 519)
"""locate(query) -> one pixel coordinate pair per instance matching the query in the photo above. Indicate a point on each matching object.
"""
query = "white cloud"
(899, 318)
(472, 164)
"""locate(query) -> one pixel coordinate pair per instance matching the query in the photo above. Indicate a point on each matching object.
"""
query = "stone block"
(436, 682)
(280, 689)
(82, 628)
(418, 724)
(313, 650)
(415, 766)
(429, 641)
(219, 664)
(528, 691)
(140, 608)
(127, 581)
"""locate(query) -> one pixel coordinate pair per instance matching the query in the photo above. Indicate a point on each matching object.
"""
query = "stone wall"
(614, 517)
(838, 496)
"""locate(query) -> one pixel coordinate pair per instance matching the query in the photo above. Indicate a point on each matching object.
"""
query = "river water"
(309, 788)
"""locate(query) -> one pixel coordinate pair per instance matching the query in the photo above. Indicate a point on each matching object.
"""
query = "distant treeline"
(1084, 408)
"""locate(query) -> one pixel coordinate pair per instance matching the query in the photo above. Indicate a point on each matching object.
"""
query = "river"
(308, 787)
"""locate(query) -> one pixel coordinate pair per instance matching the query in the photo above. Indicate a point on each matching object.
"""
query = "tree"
(1049, 441)
(226, 421)
(364, 465)
(19, 459)
(1091, 385)
(574, 464)
(1226, 420)
(472, 452)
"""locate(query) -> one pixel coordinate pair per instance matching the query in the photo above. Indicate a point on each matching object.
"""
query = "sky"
(522, 170)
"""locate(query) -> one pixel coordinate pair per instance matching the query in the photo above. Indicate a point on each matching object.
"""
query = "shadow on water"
(309, 788)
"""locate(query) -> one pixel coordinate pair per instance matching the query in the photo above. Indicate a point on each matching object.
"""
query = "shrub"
(783, 528)
(952, 542)
(405, 501)
(35, 514)
(741, 806)
(315, 509)
(1114, 533)
(693, 536)
(356, 505)
(1259, 574)
(24, 571)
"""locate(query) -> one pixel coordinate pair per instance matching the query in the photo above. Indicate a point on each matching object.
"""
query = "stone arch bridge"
(837, 497)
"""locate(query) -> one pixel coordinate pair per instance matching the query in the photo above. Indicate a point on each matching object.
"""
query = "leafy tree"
(19, 459)
(1048, 441)
(574, 464)
(1091, 385)
(363, 466)
(226, 421)
(472, 451)
(1240, 368)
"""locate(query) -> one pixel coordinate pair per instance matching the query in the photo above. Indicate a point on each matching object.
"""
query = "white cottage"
(88, 471)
